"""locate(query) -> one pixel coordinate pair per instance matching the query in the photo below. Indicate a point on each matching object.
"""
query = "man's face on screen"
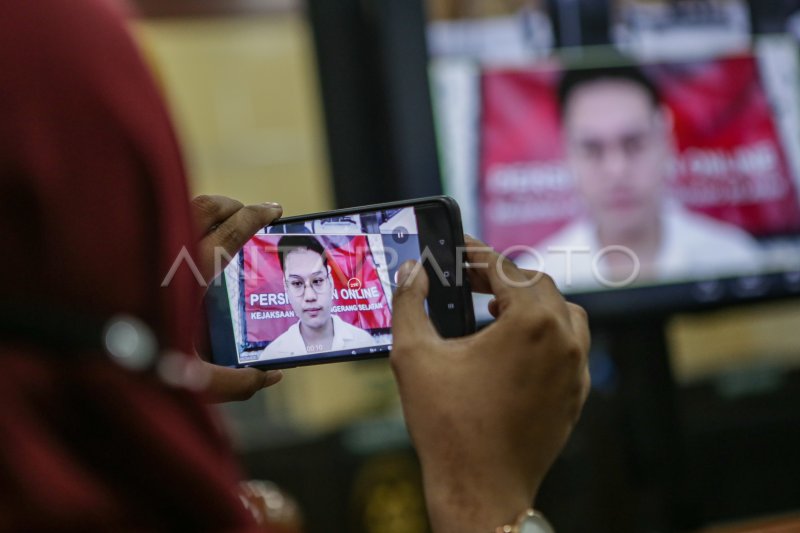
(308, 286)
(618, 149)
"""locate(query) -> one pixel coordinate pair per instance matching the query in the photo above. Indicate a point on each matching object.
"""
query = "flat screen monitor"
(658, 173)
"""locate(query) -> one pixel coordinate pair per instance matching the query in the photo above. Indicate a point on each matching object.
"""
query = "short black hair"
(290, 243)
(574, 78)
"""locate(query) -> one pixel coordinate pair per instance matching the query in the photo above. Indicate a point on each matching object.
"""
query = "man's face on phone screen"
(309, 287)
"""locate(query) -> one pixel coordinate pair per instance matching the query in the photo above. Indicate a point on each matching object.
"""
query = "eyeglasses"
(297, 285)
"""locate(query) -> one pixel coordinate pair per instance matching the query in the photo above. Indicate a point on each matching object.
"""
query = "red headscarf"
(95, 210)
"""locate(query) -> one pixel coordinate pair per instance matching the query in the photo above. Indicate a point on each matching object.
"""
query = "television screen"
(665, 168)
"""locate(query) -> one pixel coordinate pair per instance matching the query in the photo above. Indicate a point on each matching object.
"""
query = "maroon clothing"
(95, 210)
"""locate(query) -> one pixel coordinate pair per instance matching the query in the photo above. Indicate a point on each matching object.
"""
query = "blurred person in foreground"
(619, 148)
(96, 214)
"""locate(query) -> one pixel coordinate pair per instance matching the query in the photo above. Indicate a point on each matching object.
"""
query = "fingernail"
(405, 271)
(273, 205)
(273, 376)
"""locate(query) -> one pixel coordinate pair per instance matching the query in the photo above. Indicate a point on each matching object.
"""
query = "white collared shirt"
(693, 246)
(290, 342)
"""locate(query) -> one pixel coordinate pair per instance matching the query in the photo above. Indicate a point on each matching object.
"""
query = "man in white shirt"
(619, 148)
(692, 246)
(309, 287)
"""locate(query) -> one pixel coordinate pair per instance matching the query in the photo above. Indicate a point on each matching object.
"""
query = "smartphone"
(318, 288)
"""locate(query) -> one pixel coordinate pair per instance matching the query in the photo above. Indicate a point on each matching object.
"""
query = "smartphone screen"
(312, 290)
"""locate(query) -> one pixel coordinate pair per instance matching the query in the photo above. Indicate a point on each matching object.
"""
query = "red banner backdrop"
(730, 162)
(359, 296)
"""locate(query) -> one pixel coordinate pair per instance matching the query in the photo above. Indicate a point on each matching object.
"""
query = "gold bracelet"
(529, 521)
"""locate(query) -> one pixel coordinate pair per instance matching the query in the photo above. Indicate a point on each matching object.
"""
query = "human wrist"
(457, 504)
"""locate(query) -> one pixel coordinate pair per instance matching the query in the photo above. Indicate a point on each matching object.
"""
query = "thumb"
(237, 384)
(409, 320)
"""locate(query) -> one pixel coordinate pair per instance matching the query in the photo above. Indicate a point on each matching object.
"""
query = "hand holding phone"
(488, 413)
(225, 225)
